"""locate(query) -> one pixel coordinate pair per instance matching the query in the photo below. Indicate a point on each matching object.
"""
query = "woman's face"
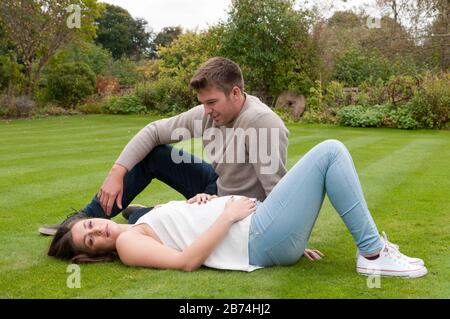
(95, 235)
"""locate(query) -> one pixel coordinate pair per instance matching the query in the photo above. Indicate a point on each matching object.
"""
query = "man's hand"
(112, 189)
(313, 254)
(201, 198)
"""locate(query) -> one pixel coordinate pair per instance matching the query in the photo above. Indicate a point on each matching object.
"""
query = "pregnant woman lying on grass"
(238, 233)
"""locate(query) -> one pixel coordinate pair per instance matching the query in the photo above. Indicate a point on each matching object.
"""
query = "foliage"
(122, 35)
(360, 116)
(270, 42)
(402, 118)
(166, 95)
(148, 70)
(98, 59)
(125, 70)
(92, 105)
(315, 98)
(164, 38)
(401, 89)
(431, 103)
(354, 67)
(372, 93)
(127, 104)
(11, 76)
(69, 83)
(37, 28)
(107, 85)
(325, 116)
(186, 54)
(334, 94)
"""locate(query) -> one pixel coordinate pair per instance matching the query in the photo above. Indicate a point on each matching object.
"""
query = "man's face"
(223, 109)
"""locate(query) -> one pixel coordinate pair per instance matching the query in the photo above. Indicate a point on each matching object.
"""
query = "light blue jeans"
(282, 224)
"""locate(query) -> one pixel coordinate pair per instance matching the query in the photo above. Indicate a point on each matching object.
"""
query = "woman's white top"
(178, 224)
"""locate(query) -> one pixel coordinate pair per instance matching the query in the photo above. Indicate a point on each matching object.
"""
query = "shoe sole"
(46, 231)
(386, 273)
(126, 213)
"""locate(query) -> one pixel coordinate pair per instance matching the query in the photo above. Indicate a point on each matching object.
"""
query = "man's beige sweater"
(249, 154)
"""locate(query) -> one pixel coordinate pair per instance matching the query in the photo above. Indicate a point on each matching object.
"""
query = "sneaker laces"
(396, 247)
(393, 250)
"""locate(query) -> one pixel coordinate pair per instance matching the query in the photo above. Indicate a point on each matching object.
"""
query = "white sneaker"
(391, 262)
(411, 260)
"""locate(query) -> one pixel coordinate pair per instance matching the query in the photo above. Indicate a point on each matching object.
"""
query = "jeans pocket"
(289, 250)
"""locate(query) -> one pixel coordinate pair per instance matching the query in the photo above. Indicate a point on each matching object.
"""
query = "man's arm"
(272, 148)
(165, 131)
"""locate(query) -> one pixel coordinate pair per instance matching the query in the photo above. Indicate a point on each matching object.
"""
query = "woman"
(241, 234)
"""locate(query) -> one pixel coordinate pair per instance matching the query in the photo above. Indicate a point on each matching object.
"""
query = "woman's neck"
(124, 227)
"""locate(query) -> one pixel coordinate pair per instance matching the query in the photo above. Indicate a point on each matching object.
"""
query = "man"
(245, 140)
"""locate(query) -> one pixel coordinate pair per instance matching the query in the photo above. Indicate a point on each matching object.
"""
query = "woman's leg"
(282, 224)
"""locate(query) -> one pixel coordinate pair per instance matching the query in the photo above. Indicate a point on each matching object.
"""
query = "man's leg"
(190, 177)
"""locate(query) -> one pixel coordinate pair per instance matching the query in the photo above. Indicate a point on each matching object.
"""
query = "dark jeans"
(189, 178)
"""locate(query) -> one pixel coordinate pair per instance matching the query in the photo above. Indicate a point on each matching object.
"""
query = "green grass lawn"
(50, 165)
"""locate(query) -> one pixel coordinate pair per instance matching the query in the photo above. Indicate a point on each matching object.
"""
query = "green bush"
(431, 103)
(324, 116)
(126, 71)
(69, 83)
(372, 93)
(98, 59)
(355, 66)
(316, 97)
(166, 95)
(11, 76)
(334, 94)
(127, 104)
(402, 118)
(93, 105)
(401, 89)
(360, 116)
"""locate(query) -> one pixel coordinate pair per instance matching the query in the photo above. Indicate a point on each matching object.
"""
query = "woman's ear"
(86, 259)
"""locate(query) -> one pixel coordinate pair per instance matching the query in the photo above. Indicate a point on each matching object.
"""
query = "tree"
(428, 23)
(3, 40)
(165, 37)
(271, 43)
(37, 28)
(437, 43)
(69, 83)
(334, 36)
(118, 32)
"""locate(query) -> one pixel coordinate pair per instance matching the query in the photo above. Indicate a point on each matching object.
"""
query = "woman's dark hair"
(63, 247)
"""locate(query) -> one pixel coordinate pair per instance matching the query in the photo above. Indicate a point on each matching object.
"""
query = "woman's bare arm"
(137, 249)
